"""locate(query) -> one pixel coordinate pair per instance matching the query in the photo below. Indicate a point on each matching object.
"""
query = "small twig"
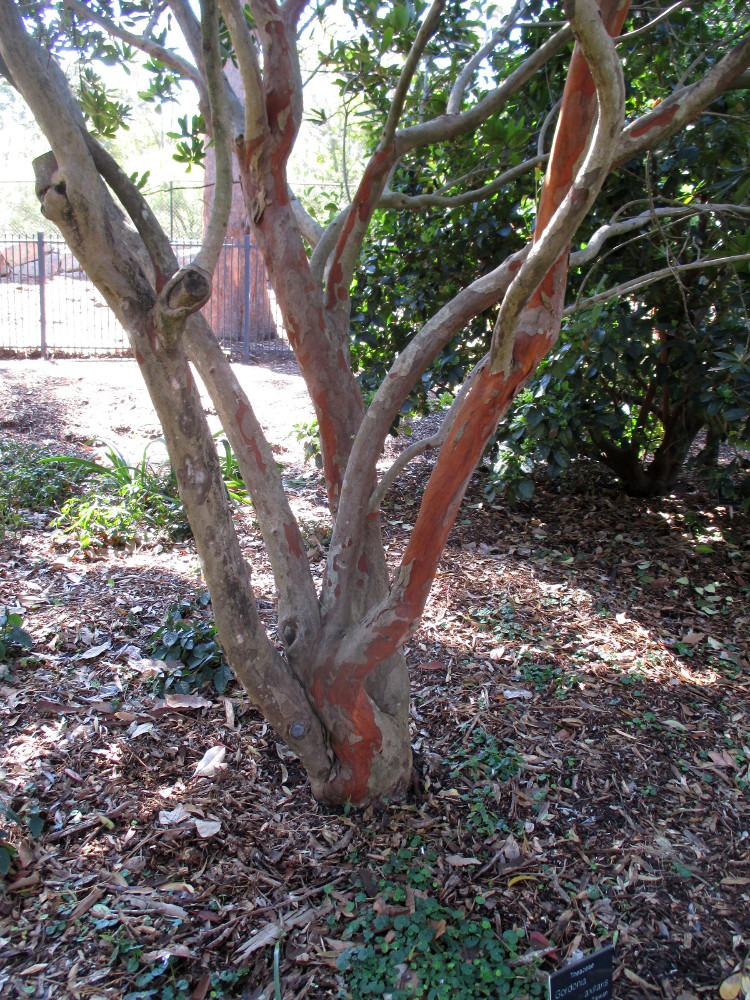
(86, 824)
(647, 279)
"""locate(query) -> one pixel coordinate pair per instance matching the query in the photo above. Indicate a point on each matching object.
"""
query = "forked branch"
(606, 71)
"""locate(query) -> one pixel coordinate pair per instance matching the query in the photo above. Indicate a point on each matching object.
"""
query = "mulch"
(599, 644)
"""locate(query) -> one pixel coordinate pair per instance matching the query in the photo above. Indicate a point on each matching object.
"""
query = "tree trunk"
(642, 478)
(338, 694)
(230, 297)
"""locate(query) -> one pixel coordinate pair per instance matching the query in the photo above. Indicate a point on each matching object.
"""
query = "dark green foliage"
(193, 657)
(30, 482)
(634, 381)
(635, 398)
(631, 385)
(490, 767)
(409, 945)
(30, 821)
(191, 143)
(14, 641)
(105, 113)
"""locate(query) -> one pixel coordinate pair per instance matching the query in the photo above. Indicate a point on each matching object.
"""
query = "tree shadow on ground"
(581, 778)
(24, 411)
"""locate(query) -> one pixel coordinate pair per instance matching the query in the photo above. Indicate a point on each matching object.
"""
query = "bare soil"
(581, 729)
(101, 401)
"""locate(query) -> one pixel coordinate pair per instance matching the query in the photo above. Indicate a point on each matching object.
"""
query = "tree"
(338, 692)
(635, 377)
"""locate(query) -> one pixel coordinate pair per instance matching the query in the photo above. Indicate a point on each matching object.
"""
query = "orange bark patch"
(256, 452)
(663, 118)
(577, 115)
(361, 207)
(292, 540)
(242, 410)
(335, 277)
(358, 737)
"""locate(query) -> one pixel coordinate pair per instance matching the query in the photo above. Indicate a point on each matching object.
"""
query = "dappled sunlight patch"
(580, 731)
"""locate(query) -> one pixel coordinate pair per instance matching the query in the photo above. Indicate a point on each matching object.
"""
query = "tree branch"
(466, 75)
(292, 11)
(648, 279)
(426, 31)
(256, 120)
(190, 28)
(545, 127)
(157, 245)
(311, 230)
(142, 42)
(450, 126)
(374, 179)
(417, 202)
(663, 16)
(675, 111)
(420, 447)
(348, 532)
(298, 614)
(606, 70)
(215, 233)
(437, 130)
(387, 625)
(623, 226)
(326, 245)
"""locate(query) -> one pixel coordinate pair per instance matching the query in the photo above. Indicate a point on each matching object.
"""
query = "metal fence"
(48, 306)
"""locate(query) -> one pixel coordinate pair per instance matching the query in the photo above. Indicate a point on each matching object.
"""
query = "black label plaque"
(589, 979)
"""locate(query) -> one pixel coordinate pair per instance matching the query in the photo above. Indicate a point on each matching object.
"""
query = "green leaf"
(36, 825)
(401, 17)
(20, 638)
(682, 870)
(5, 859)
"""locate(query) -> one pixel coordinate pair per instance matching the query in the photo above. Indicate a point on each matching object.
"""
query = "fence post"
(42, 309)
(246, 304)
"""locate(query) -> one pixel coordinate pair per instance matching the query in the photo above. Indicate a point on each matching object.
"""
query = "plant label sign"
(589, 979)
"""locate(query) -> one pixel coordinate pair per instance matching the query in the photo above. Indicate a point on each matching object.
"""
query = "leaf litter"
(581, 730)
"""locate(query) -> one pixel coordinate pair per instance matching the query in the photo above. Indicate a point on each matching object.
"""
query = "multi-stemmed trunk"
(335, 684)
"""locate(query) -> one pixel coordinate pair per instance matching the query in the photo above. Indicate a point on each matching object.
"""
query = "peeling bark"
(338, 694)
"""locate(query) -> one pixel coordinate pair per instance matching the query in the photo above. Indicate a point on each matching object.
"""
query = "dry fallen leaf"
(693, 638)
(186, 701)
(511, 850)
(138, 730)
(207, 827)
(210, 762)
(731, 987)
(164, 954)
(91, 654)
(170, 817)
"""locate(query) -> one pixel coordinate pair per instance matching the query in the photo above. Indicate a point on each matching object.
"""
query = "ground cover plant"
(424, 79)
(30, 483)
(581, 733)
(122, 502)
